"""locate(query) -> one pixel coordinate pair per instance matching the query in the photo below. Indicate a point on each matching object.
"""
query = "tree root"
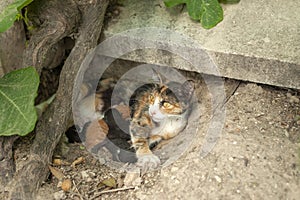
(57, 117)
(11, 49)
(58, 19)
(7, 164)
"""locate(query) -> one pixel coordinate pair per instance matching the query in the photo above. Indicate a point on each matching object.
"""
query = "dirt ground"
(257, 156)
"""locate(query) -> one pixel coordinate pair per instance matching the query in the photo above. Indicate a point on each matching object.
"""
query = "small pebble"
(137, 182)
(85, 175)
(294, 99)
(174, 169)
(286, 133)
(89, 179)
(218, 179)
(59, 184)
(132, 177)
(116, 12)
(59, 195)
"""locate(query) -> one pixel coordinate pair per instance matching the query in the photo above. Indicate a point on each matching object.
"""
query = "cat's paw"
(148, 162)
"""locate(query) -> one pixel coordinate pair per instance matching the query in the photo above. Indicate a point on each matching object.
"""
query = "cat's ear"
(188, 88)
(158, 77)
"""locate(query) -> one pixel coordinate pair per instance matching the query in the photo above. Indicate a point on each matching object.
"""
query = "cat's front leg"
(154, 140)
(146, 159)
(139, 137)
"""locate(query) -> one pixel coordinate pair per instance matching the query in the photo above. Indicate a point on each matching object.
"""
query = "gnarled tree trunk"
(59, 19)
(12, 45)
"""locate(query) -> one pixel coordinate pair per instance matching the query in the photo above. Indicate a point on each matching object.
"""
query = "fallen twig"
(78, 193)
(112, 190)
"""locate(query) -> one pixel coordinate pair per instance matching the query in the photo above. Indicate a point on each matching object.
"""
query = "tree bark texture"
(61, 18)
(7, 164)
(57, 19)
(12, 45)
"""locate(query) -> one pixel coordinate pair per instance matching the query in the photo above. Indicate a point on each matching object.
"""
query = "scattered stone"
(286, 133)
(174, 169)
(294, 99)
(85, 175)
(59, 184)
(133, 178)
(218, 179)
(141, 196)
(59, 195)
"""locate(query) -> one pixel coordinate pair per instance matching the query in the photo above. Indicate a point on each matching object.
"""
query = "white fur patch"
(171, 124)
(155, 113)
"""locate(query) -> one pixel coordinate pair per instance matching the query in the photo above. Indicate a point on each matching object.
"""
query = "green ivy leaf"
(212, 13)
(18, 90)
(195, 9)
(208, 12)
(9, 14)
(172, 3)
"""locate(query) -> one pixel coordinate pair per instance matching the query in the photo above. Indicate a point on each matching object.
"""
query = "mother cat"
(158, 111)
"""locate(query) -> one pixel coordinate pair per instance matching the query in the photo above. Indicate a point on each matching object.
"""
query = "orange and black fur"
(158, 111)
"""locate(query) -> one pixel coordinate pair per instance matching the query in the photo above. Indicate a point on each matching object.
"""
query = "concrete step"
(258, 41)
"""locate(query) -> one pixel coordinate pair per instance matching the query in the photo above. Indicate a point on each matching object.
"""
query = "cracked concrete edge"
(251, 43)
(258, 70)
(239, 67)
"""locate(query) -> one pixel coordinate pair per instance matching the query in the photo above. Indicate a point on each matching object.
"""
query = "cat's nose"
(152, 113)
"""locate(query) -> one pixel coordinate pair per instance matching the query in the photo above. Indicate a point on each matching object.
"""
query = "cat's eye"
(167, 105)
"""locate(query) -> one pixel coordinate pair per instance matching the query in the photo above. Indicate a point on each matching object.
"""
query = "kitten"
(90, 106)
(158, 112)
(96, 116)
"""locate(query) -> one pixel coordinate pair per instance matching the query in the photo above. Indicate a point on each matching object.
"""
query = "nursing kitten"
(91, 106)
(96, 121)
(158, 111)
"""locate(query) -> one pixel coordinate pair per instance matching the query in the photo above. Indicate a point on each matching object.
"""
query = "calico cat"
(159, 111)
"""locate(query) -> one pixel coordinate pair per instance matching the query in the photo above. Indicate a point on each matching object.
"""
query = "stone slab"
(258, 41)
